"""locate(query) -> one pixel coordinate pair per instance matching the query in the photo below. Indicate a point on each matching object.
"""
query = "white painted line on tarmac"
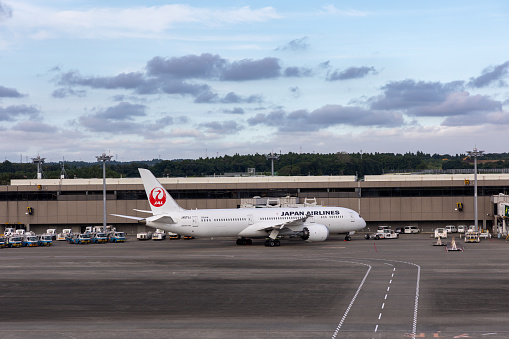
(351, 302)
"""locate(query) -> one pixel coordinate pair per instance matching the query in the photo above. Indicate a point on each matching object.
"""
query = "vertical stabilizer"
(159, 199)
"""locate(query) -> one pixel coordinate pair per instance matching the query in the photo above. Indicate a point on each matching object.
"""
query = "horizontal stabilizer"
(128, 217)
(142, 211)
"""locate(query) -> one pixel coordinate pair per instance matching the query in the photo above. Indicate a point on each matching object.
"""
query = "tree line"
(359, 164)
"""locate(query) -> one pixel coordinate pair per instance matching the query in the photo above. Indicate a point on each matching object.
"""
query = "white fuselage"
(231, 222)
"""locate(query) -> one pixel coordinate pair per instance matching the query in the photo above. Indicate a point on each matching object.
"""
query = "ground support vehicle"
(116, 237)
(144, 236)
(172, 235)
(20, 232)
(462, 228)
(14, 241)
(411, 229)
(2, 242)
(79, 239)
(52, 232)
(30, 241)
(451, 229)
(383, 234)
(485, 234)
(45, 240)
(188, 237)
(440, 233)
(9, 231)
(66, 233)
(159, 235)
(472, 237)
(99, 238)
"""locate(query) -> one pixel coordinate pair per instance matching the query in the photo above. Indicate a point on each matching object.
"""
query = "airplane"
(309, 223)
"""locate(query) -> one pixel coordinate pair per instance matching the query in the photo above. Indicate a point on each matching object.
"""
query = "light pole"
(475, 153)
(272, 157)
(104, 158)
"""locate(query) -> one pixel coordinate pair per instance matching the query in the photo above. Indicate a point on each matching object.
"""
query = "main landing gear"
(244, 241)
(348, 238)
(272, 242)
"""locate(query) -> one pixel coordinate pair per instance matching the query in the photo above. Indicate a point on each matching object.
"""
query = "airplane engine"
(315, 232)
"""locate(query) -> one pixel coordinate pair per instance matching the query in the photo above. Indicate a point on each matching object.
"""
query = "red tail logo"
(157, 197)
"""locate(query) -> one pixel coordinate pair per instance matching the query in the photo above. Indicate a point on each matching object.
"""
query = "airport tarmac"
(203, 288)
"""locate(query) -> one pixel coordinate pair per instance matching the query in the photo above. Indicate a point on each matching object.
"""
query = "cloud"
(296, 45)
(407, 94)
(351, 73)
(332, 10)
(173, 76)
(225, 127)
(248, 69)
(131, 80)
(213, 67)
(123, 111)
(491, 76)
(9, 92)
(458, 103)
(115, 119)
(204, 66)
(34, 127)
(327, 116)
(295, 91)
(61, 93)
(5, 11)
(497, 118)
(10, 113)
(235, 110)
(135, 22)
(299, 72)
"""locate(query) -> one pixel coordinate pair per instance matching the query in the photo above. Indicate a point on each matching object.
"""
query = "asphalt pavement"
(212, 288)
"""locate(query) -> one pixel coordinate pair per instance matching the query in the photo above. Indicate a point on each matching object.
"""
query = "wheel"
(377, 237)
(366, 236)
(277, 242)
(266, 243)
(272, 243)
(348, 238)
(249, 241)
(238, 242)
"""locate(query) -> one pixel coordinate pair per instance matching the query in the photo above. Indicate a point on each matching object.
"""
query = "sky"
(141, 80)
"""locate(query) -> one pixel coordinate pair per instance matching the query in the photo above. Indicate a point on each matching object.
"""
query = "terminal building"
(425, 201)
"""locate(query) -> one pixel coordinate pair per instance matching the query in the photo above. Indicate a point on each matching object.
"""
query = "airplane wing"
(270, 226)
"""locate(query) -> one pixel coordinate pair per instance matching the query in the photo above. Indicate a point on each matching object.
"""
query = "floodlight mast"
(104, 158)
(39, 161)
(475, 153)
(272, 157)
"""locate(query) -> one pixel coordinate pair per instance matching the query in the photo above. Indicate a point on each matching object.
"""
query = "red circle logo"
(157, 197)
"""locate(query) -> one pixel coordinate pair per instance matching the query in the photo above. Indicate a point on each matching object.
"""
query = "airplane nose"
(362, 223)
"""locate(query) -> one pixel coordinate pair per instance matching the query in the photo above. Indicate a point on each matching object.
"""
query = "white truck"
(52, 232)
(385, 233)
(144, 236)
(440, 233)
(66, 233)
(159, 235)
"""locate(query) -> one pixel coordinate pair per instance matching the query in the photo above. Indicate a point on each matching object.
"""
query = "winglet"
(159, 199)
